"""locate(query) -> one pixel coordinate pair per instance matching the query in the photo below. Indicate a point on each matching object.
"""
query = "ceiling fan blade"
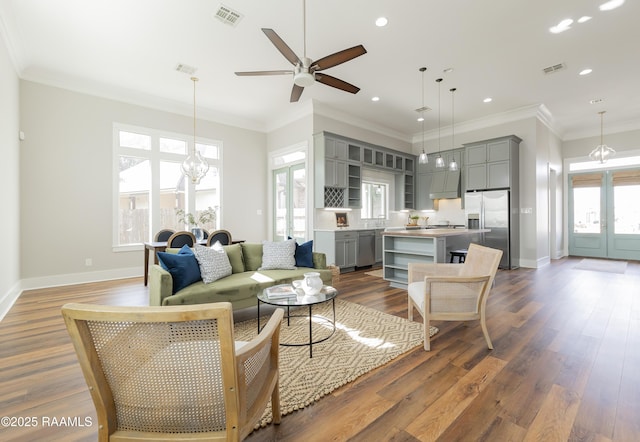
(295, 93)
(282, 46)
(339, 57)
(244, 74)
(336, 82)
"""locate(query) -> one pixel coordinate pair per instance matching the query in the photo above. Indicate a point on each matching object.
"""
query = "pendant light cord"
(194, 79)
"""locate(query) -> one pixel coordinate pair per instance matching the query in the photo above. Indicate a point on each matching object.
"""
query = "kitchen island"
(400, 247)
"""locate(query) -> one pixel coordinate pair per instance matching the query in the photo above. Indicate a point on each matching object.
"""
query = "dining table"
(161, 246)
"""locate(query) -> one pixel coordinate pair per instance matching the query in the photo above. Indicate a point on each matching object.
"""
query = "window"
(375, 197)
(149, 184)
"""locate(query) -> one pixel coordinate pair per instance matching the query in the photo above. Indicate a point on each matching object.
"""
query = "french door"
(290, 202)
(604, 214)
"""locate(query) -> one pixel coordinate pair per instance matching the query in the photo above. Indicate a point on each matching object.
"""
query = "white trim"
(80, 278)
(9, 298)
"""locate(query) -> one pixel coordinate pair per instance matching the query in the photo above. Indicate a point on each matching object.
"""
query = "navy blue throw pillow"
(183, 267)
(304, 254)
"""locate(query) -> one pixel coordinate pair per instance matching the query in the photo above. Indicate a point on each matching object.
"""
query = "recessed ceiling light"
(375, 98)
(381, 21)
(611, 4)
(420, 118)
(562, 26)
(447, 70)
(487, 100)
(584, 18)
(596, 101)
(585, 71)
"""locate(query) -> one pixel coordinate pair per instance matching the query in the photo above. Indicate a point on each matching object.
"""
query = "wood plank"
(555, 417)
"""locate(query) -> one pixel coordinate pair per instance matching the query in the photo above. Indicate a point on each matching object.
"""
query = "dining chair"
(224, 236)
(174, 372)
(163, 235)
(453, 292)
(181, 238)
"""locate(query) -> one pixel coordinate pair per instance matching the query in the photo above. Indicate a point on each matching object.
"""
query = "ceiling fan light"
(304, 79)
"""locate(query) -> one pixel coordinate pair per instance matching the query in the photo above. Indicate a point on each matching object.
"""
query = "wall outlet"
(88, 262)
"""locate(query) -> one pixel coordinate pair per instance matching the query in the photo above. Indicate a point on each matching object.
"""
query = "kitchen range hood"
(445, 185)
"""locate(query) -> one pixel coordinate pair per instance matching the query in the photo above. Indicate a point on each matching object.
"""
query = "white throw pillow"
(279, 255)
(214, 262)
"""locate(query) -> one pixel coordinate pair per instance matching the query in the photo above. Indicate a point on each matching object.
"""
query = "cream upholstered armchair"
(454, 292)
(174, 372)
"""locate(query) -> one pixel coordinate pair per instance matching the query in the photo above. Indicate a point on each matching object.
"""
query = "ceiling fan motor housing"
(302, 77)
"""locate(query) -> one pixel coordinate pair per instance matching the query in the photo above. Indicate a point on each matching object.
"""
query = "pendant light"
(453, 165)
(601, 152)
(423, 159)
(439, 160)
(194, 166)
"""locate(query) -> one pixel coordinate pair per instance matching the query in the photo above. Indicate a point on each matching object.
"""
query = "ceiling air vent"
(227, 15)
(185, 68)
(423, 109)
(554, 68)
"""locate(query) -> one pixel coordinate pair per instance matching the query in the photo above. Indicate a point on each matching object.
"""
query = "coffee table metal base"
(288, 317)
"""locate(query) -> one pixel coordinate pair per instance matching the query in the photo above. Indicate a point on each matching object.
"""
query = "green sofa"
(240, 288)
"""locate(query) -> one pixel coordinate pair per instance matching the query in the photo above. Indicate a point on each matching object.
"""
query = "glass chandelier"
(602, 152)
(194, 166)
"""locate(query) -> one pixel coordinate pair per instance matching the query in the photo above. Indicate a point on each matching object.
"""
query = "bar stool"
(460, 253)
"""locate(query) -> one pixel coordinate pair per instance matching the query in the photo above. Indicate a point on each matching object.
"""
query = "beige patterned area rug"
(364, 339)
(602, 265)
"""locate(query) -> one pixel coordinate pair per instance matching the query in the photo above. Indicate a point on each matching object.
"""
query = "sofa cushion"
(183, 267)
(278, 255)
(234, 253)
(214, 263)
(252, 256)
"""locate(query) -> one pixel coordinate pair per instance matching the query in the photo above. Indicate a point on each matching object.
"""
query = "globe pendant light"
(194, 166)
(601, 152)
(423, 158)
(439, 160)
(453, 165)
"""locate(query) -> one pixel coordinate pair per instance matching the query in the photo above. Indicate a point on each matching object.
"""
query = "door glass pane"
(280, 203)
(299, 199)
(586, 210)
(626, 210)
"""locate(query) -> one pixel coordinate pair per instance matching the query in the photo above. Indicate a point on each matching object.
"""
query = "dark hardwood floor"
(566, 366)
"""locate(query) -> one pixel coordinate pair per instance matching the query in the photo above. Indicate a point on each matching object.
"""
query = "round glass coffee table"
(284, 295)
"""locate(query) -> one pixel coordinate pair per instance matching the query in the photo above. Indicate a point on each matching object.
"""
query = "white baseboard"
(7, 301)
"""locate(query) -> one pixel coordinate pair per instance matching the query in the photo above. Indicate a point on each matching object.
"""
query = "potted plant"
(195, 221)
(413, 219)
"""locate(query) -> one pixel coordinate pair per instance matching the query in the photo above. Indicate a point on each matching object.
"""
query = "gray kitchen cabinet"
(423, 186)
(354, 189)
(379, 245)
(340, 247)
(491, 164)
(335, 173)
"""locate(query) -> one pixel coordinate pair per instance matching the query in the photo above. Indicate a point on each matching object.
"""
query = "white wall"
(66, 182)
(9, 179)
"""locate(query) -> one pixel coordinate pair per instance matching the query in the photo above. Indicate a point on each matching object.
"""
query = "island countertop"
(434, 233)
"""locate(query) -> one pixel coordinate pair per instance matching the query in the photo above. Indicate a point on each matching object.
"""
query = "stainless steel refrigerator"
(493, 209)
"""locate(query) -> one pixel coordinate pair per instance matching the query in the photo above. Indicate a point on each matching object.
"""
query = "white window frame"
(155, 157)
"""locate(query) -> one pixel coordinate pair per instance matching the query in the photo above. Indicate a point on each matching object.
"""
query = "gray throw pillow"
(278, 255)
(214, 262)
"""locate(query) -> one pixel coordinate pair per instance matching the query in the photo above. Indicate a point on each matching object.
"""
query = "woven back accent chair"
(174, 372)
(224, 236)
(454, 292)
(181, 238)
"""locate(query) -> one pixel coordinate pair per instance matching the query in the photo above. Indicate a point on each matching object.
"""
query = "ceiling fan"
(307, 71)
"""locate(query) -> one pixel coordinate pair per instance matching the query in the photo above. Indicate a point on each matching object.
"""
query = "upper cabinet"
(338, 163)
(492, 164)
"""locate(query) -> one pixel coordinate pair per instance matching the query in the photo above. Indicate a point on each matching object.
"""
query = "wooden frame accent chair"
(453, 292)
(175, 372)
